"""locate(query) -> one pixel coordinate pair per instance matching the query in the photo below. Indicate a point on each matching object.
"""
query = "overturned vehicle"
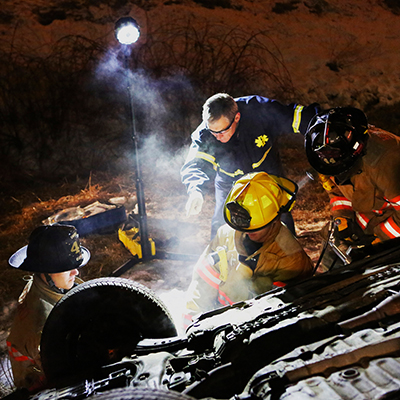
(333, 336)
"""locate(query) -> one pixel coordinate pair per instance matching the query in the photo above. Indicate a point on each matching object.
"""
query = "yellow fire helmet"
(256, 199)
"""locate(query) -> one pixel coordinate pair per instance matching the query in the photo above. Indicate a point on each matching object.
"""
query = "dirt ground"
(29, 205)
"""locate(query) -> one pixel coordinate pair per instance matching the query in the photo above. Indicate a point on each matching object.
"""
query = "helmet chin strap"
(53, 286)
(355, 169)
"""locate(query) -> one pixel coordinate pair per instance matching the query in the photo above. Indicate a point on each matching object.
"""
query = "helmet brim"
(19, 260)
(338, 120)
(282, 203)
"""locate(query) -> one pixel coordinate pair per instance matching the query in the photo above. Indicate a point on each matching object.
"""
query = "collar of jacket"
(239, 237)
(49, 295)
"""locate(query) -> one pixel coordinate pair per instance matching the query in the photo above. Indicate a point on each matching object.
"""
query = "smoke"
(166, 111)
(303, 181)
(162, 104)
(175, 302)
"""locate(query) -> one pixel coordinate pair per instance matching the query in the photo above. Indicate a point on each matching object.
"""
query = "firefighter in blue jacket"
(238, 136)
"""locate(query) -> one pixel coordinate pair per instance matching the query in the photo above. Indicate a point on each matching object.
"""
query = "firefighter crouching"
(253, 252)
(54, 255)
(360, 166)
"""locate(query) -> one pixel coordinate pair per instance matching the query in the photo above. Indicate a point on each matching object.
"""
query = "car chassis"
(335, 335)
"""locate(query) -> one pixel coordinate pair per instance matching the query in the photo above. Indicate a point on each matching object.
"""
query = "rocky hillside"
(335, 51)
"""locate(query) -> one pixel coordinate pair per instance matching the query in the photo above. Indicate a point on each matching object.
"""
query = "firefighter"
(360, 167)
(238, 136)
(253, 252)
(53, 256)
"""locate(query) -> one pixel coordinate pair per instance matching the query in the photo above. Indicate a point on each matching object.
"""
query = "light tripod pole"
(127, 32)
(143, 231)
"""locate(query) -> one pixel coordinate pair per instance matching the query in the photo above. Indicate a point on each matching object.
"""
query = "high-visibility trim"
(362, 220)
(340, 203)
(16, 355)
(236, 173)
(395, 202)
(297, 119)
(224, 299)
(206, 157)
(209, 275)
(390, 228)
(223, 264)
(257, 164)
(216, 166)
(187, 320)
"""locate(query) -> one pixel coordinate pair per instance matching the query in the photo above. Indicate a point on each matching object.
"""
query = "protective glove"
(194, 203)
(349, 231)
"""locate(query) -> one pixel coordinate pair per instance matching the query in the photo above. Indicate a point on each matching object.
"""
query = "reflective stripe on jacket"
(280, 259)
(253, 146)
(35, 304)
(372, 197)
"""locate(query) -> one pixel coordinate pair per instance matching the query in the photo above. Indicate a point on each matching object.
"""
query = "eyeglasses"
(240, 217)
(221, 132)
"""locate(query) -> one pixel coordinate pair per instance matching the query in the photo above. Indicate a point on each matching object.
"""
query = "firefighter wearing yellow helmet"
(253, 252)
(257, 199)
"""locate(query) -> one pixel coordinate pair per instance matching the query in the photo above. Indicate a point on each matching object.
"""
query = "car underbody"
(333, 336)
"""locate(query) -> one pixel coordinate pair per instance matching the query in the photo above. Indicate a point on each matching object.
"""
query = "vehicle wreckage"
(333, 336)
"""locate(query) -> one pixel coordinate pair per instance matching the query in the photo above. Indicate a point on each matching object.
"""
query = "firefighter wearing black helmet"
(53, 255)
(253, 252)
(360, 165)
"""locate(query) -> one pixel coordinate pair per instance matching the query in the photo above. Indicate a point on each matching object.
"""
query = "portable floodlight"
(127, 30)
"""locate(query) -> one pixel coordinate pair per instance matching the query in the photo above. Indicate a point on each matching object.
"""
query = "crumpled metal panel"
(325, 368)
(380, 379)
(328, 354)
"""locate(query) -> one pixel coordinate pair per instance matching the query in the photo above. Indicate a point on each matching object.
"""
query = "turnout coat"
(252, 148)
(35, 304)
(226, 273)
(371, 197)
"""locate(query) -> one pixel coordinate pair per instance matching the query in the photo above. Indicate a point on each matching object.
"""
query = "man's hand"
(194, 204)
(349, 231)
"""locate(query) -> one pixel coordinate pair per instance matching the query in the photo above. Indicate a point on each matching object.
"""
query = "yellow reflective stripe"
(236, 173)
(223, 264)
(297, 119)
(257, 164)
(211, 159)
(206, 157)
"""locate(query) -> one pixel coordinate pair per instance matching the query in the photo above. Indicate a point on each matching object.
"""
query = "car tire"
(97, 323)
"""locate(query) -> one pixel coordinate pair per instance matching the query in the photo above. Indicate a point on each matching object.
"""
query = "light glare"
(128, 34)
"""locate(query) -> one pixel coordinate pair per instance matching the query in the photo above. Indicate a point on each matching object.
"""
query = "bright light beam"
(127, 30)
